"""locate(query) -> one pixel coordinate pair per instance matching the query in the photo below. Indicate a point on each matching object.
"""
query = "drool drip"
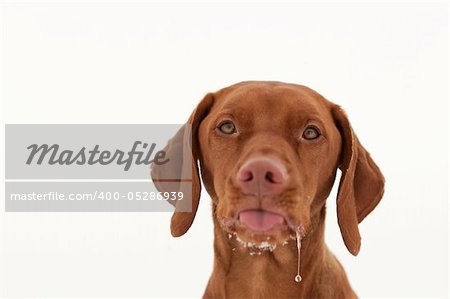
(298, 278)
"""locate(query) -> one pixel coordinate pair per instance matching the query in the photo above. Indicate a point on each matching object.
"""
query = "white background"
(386, 64)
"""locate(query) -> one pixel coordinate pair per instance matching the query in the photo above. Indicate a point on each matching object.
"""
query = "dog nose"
(261, 176)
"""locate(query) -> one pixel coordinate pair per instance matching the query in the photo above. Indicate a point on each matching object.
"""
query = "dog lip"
(231, 221)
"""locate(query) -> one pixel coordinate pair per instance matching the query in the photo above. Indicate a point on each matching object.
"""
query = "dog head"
(268, 154)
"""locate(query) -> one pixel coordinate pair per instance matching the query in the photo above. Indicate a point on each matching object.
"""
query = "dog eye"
(311, 133)
(227, 127)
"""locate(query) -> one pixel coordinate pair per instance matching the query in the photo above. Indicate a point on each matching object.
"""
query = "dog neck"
(239, 271)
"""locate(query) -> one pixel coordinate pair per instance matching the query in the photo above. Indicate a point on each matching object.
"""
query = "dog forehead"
(270, 97)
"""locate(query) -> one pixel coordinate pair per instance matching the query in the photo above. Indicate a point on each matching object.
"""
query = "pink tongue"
(260, 220)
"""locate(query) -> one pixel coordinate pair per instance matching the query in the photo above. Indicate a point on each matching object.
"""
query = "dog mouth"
(260, 229)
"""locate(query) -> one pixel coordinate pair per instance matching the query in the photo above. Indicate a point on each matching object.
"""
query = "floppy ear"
(183, 153)
(361, 186)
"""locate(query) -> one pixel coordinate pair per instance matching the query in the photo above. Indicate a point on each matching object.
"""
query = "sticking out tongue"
(260, 220)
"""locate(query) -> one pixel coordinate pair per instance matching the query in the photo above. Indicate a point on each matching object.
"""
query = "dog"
(268, 154)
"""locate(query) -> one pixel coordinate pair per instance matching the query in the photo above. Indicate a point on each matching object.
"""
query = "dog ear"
(183, 152)
(361, 186)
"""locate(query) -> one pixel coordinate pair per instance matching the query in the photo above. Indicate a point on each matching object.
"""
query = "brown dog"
(268, 154)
